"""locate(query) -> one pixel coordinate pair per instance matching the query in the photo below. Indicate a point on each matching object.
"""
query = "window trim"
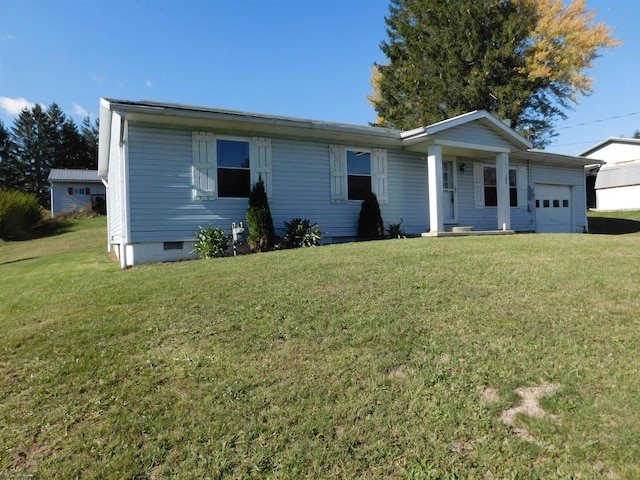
(521, 187)
(339, 175)
(260, 164)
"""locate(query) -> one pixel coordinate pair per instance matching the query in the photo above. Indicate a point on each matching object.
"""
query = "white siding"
(62, 201)
(486, 218)
(474, 133)
(573, 177)
(619, 198)
(617, 152)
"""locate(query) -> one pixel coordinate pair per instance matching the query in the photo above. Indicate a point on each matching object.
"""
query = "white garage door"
(553, 208)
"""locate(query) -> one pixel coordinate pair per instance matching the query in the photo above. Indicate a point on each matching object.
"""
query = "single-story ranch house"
(73, 189)
(617, 183)
(172, 168)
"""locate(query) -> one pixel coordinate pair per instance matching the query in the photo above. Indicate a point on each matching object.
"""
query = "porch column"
(436, 212)
(502, 184)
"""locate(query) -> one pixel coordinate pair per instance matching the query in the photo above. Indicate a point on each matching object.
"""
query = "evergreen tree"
(448, 57)
(41, 140)
(370, 226)
(259, 221)
(90, 134)
(8, 174)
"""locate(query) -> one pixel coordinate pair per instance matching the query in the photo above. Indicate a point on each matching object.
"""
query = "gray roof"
(73, 175)
(618, 175)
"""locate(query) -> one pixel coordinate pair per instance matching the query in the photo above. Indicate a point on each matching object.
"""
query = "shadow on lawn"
(48, 228)
(613, 226)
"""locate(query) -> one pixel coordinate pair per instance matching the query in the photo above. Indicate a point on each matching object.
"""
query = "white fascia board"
(542, 156)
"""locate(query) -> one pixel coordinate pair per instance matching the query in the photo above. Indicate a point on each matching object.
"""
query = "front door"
(448, 192)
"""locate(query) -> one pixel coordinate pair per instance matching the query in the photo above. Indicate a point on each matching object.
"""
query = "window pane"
(565, 203)
(513, 178)
(545, 203)
(233, 182)
(556, 204)
(513, 197)
(490, 176)
(358, 163)
(490, 196)
(359, 186)
(233, 154)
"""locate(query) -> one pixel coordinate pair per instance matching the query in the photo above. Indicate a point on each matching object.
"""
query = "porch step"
(461, 229)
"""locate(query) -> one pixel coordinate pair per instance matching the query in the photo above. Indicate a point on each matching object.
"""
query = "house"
(617, 182)
(72, 190)
(172, 168)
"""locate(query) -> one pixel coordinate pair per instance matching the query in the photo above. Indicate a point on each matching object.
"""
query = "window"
(234, 175)
(79, 191)
(358, 175)
(227, 167)
(491, 189)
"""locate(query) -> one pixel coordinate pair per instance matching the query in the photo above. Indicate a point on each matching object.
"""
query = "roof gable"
(460, 127)
(614, 149)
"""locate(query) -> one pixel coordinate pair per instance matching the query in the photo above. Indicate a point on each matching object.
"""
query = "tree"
(370, 226)
(39, 141)
(518, 59)
(8, 172)
(636, 134)
(259, 221)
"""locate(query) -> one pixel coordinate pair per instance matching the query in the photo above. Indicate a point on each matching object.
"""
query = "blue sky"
(299, 58)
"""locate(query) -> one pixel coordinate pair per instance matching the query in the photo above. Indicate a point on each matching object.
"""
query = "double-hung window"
(491, 189)
(227, 167)
(358, 175)
(234, 174)
(486, 186)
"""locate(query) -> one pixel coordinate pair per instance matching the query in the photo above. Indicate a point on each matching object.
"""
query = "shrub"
(212, 242)
(395, 230)
(19, 213)
(370, 226)
(301, 233)
(261, 232)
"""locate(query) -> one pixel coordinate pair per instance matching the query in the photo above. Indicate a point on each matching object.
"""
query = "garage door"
(553, 208)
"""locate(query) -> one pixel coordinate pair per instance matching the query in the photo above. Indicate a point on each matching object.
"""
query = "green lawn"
(390, 359)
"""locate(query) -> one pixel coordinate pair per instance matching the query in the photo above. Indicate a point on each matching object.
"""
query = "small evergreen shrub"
(19, 213)
(212, 242)
(370, 226)
(395, 230)
(301, 233)
(259, 221)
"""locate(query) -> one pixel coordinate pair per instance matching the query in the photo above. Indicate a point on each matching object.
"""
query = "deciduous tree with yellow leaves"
(523, 60)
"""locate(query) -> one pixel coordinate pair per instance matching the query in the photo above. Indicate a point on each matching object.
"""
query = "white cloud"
(79, 110)
(148, 83)
(14, 106)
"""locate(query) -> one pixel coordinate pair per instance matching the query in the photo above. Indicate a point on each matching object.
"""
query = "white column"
(502, 184)
(436, 213)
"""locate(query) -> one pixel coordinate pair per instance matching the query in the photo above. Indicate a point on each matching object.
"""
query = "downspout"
(124, 181)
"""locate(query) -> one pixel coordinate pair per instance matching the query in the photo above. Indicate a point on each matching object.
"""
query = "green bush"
(19, 213)
(301, 233)
(212, 242)
(370, 226)
(259, 221)
(395, 230)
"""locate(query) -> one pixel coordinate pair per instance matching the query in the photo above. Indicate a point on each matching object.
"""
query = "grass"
(363, 360)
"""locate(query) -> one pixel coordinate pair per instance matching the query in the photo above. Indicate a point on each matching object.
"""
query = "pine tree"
(259, 221)
(450, 57)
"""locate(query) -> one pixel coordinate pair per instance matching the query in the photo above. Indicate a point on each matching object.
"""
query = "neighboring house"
(172, 168)
(617, 182)
(72, 190)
